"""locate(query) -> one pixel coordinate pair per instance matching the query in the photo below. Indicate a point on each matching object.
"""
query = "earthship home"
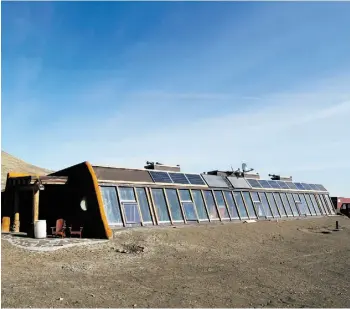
(103, 198)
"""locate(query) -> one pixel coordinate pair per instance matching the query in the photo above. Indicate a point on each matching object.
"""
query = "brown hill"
(10, 163)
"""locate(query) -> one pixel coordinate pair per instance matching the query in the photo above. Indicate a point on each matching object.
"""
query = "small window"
(144, 205)
(83, 204)
(131, 213)
(188, 205)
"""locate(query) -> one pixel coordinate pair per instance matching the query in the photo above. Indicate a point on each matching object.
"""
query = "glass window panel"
(111, 205)
(330, 204)
(265, 205)
(320, 204)
(249, 204)
(126, 194)
(258, 205)
(144, 206)
(231, 205)
(300, 204)
(185, 195)
(160, 203)
(174, 205)
(273, 206)
(280, 205)
(189, 210)
(131, 213)
(286, 205)
(293, 204)
(241, 208)
(324, 204)
(302, 199)
(221, 204)
(213, 213)
(311, 206)
(314, 203)
(198, 200)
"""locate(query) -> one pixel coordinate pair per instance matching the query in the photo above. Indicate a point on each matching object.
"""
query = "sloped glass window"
(273, 205)
(303, 201)
(249, 204)
(265, 204)
(111, 205)
(198, 200)
(144, 205)
(286, 205)
(174, 205)
(329, 203)
(279, 205)
(231, 205)
(160, 203)
(322, 204)
(221, 205)
(293, 205)
(188, 205)
(126, 194)
(258, 205)
(213, 213)
(318, 209)
(311, 206)
(241, 208)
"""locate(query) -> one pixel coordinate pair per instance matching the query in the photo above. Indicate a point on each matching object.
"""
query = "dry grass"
(10, 163)
(264, 264)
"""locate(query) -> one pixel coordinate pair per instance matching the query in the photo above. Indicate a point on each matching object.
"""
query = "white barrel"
(40, 229)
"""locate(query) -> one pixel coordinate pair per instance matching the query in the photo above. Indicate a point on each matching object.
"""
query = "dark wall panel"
(121, 174)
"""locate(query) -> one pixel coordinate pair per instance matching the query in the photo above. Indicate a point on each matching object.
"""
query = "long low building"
(102, 198)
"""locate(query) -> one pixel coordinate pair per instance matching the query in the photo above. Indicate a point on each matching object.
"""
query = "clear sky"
(204, 85)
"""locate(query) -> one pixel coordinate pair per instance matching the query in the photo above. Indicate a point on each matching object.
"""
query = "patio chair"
(59, 229)
(76, 232)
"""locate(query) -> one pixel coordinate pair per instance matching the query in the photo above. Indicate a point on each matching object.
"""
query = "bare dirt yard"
(299, 263)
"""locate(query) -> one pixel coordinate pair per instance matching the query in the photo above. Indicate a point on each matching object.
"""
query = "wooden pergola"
(34, 184)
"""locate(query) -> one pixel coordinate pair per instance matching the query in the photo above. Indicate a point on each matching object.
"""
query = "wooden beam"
(35, 205)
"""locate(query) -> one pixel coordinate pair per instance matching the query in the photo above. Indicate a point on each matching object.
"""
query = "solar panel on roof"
(265, 184)
(313, 187)
(160, 177)
(274, 184)
(254, 183)
(321, 188)
(291, 185)
(195, 179)
(178, 178)
(238, 182)
(306, 186)
(282, 184)
(299, 186)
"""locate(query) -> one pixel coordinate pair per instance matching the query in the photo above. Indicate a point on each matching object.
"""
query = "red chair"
(59, 229)
(71, 232)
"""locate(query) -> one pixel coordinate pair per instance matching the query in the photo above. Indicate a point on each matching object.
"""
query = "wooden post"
(16, 211)
(35, 204)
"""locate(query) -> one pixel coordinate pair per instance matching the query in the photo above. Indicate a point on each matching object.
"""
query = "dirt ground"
(265, 264)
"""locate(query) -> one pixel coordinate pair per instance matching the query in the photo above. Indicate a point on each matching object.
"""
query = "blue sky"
(205, 85)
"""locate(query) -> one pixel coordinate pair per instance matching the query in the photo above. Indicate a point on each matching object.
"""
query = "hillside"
(10, 163)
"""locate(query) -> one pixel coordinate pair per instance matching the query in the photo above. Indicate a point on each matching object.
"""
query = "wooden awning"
(31, 180)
